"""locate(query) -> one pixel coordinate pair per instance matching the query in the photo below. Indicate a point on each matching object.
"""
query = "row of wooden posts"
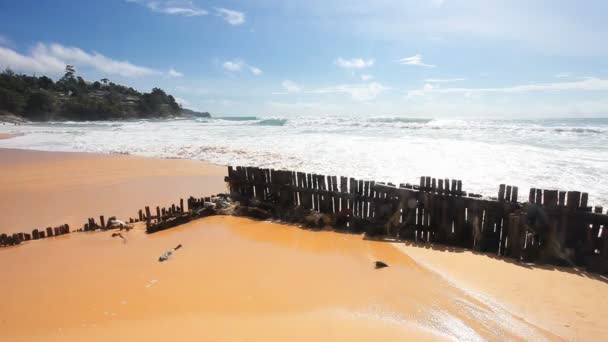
(173, 215)
(17, 238)
(552, 226)
(163, 218)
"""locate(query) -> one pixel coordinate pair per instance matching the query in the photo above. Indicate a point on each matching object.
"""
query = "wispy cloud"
(52, 58)
(289, 87)
(255, 71)
(588, 84)
(232, 17)
(444, 80)
(173, 7)
(354, 63)
(174, 73)
(358, 92)
(415, 60)
(562, 75)
(366, 77)
(238, 65)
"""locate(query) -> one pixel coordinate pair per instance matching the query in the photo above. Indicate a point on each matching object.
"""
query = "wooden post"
(158, 216)
(574, 199)
(141, 215)
(35, 234)
(584, 199)
(148, 216)
(532, 197)
(49, 231)
(501, 192)
(103, 222)
(181, 205)
(514, 195)
(539, 196)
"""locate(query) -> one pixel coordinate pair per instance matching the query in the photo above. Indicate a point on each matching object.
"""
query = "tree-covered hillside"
(73, 98)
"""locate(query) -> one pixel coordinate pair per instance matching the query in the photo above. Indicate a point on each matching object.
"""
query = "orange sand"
(235, 279)
(40, 189)
(238, 279)
(6, 136)
(566, 301)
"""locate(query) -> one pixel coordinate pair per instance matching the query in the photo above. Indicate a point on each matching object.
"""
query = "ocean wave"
(578, 130)
(399, 120)
(237, 118)
(272, 122)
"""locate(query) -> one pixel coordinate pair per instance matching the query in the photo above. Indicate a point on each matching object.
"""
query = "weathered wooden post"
(141, 215)
(102, 221)
(49, 231)
(181, 205)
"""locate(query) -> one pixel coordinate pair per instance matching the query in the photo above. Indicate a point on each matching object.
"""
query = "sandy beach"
(41, 189)
(6, 136)
(240, 279)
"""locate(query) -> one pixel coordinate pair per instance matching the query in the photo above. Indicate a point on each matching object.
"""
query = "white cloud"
(230, 16)
(172, 7)
(233, 65)
(444, 80)
(52, 58)
(354, 63)
(562, 74)
(175, 73)
(238, 65)
(291, 87)
(589, 84)
(358, 92)
(366, 77)
(415, 60)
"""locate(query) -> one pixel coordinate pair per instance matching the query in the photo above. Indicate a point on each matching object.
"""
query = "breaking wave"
(272, 122)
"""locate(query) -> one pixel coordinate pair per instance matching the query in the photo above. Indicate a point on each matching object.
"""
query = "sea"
(564, 154)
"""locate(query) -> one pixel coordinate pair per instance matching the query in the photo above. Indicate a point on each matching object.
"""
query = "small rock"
(380, 264)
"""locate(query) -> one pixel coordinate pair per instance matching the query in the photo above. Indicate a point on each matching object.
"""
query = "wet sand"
(41, 189)
(6, 136)
(239, 279)
(567, 301)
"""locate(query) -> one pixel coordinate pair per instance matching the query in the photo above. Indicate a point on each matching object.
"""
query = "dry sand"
(41, 189)
(238, 279)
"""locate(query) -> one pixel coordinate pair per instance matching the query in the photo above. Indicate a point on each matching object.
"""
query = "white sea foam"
(567, 154)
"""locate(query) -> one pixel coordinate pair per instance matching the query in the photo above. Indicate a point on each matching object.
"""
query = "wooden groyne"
(552, 226)
(17, 238)
(175, 215)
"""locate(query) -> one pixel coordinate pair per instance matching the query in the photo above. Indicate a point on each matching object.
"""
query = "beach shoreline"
(41, 189)
(7, 136)
(259, 269)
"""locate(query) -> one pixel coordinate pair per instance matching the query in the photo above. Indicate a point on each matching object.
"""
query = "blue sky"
(434, 58)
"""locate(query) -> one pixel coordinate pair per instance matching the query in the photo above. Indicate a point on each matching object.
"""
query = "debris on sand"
(119, 235)
(380, 264)
(166, 256)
